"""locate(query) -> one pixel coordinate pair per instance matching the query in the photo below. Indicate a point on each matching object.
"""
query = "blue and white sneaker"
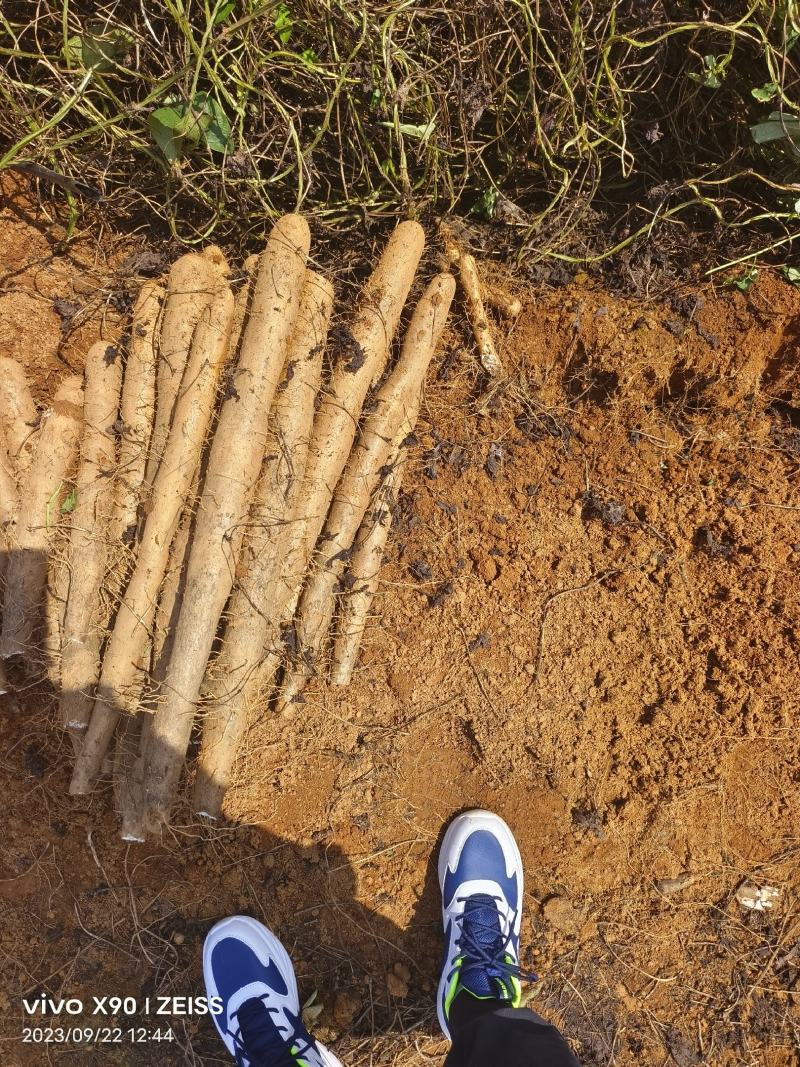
(480, 874)
(249, 970)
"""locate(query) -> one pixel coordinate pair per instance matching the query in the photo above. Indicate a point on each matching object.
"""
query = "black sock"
(465, 1008)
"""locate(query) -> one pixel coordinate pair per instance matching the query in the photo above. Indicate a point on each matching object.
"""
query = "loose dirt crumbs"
(588, 622)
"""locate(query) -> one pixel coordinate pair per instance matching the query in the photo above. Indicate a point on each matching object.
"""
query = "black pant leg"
(509, 1037)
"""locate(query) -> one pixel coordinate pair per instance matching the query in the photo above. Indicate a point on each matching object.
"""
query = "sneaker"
(480, 874)
(249, 970)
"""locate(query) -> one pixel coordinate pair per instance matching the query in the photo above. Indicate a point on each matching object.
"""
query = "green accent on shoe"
(452, 989)
(511, 986)
(516, 988)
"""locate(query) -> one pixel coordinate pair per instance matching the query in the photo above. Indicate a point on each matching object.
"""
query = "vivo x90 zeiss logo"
(113, 1006)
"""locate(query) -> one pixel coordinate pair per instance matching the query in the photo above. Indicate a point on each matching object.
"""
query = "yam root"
(26, 576)
(242, 305)
(470, 283)
(18, 414)
(193, 282)
(136, 412)
(121, 676)
(89, 522)
(487, 353)
(234, 462)
(239, 675)
(55, 605)
(394, 417)
(365, 565)
(127, 776)
(9, 508)
(133, 730)
(360, 368)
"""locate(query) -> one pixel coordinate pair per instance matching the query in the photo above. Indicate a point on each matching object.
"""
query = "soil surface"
(587, 622)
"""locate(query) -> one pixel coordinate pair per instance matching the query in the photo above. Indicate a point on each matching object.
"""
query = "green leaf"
(101, 51)
(73, 52)
(792, 275)
(224, 13)
(766, 92)
(421, 132)
(777, 128)
(713, 73)
(164, 124)
(69, 502)
(179, 127)
(197, 117)
(745, 281)
(486, 203)
(283, 23)
(218, 132)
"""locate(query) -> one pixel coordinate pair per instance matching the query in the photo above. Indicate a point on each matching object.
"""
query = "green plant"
(590, 127)
(180, 126)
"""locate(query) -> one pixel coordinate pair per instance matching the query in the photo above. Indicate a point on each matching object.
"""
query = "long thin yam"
(133, 730)
(9, 508)
(487, 352)
(26, 577)
(365, 565)
(473, 297)
(18, 414)
(234, 462)
(81, 636)
(376, 321)
(55, 604)
(127, 777)
(193, 283)
(236, 678)
(121, 676)
(242, 306)
(394, 417)
(136, 412)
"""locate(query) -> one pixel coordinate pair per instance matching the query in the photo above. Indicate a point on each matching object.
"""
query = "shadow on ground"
(84, 915)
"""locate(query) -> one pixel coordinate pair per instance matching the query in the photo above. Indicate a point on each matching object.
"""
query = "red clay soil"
(588, 622)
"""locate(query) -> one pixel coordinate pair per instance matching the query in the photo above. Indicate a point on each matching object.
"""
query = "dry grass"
(582, 126)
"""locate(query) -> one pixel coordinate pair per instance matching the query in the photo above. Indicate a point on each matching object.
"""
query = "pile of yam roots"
(228, 509)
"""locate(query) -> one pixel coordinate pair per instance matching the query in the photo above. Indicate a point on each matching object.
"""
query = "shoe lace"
(482, 949)
(260, 1044)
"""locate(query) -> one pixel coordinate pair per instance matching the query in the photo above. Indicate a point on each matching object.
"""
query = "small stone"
(178, 939)
(402, 971)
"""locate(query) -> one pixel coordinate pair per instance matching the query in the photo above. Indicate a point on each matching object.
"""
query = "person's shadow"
(85, 915)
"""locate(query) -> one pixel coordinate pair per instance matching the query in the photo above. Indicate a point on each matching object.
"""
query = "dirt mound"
(588, 622)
